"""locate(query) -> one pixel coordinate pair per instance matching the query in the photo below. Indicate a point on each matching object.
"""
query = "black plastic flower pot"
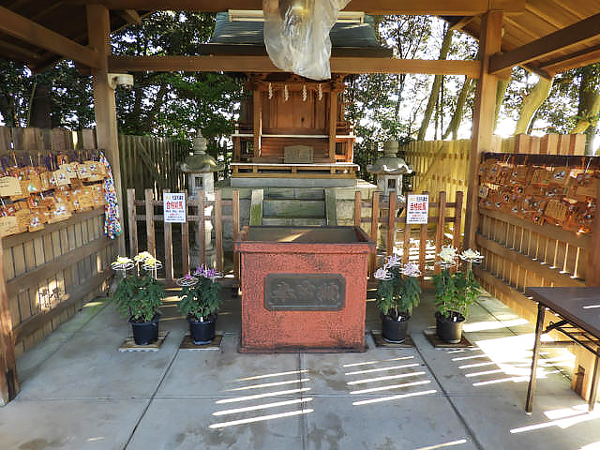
(145, 333)
(449, 329)
(393, 330)
(202, 332)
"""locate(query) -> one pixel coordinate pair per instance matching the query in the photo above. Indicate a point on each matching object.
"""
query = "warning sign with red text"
(174, 207)
(417, 208)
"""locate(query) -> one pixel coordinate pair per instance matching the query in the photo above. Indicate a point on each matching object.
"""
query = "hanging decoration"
(304, 93)
(286, 94)
(112, 220)
(320, 92)
(270, 91)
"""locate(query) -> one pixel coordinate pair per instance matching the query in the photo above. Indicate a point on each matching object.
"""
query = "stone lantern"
(199, 169)
(389, 169)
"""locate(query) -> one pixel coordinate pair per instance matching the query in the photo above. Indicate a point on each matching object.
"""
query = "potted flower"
(139, 295)
(398, 292)
(199, 302)
(455, 292)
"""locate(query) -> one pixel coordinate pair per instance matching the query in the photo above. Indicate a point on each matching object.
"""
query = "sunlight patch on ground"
(492, 325)
(444, 445)
(578, 414)
(260, 418)
(393, 397)
(270, 375)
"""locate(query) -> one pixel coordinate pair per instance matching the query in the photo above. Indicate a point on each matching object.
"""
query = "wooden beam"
(377, 7)
(592, 277)
(9, 382)
(483, 117)
(98, 22)
(574, 60)
(130, 16)
(263, 64)
(35, 34)
(575, 34)
(458, 23)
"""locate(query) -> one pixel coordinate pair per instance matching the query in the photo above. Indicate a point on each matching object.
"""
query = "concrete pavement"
(79, 392)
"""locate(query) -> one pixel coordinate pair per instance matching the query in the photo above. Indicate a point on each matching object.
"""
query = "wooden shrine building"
(292, 126)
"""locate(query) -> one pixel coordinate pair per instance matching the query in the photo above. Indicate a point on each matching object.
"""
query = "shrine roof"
(246, 37)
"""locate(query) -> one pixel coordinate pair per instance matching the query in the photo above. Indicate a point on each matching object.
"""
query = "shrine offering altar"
(303, 288)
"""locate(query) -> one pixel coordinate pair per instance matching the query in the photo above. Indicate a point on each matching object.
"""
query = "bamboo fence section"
(151, 163)
(179, 255)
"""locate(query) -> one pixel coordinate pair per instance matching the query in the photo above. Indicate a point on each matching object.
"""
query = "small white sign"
(174, 207)
(417, 209)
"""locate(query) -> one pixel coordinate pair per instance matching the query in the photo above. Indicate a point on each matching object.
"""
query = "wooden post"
(9, 382)
(357, 209)
(236, 231)
(423, 244)
(98, 23)
(457, 220)
(406, 243)
(168, 235)
(185, 240)
(131, 215)
(374, 229)
(200, 226)
(257, 121)
(483, 116)
(391, 231)
(439, 235)
(333, 104)
(219, 230)
(592, 277)
(151, 236)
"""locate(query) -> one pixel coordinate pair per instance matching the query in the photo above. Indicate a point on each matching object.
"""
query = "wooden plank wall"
(52, 272)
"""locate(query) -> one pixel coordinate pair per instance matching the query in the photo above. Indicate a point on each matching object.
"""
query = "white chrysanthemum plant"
(399, 288)
(456, 291)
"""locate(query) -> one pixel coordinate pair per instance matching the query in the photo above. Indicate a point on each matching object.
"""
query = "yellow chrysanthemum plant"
(139, 295)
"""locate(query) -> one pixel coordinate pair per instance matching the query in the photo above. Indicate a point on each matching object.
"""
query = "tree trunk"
(500, 93)
(531, 103)
(588, 110)
(435, 87)
(458, 111)
(41, 108)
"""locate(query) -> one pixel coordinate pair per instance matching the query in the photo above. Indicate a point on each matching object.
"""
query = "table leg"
(539, 328)
(594, 387)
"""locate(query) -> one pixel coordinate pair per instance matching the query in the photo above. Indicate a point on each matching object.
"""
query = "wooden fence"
(416, 243)
(174, 247)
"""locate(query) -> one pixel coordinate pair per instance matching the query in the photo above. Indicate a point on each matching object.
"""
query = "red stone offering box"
(303, 288)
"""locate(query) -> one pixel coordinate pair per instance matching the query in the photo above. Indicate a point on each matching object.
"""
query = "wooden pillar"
(9, 382)
(333, 108)
(257, 121)
(98, 22)
(483, 116)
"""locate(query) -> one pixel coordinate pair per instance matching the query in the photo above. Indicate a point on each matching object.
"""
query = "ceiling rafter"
(24, 29)
(560, 40)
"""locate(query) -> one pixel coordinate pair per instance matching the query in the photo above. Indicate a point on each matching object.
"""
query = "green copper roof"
(239, 37)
